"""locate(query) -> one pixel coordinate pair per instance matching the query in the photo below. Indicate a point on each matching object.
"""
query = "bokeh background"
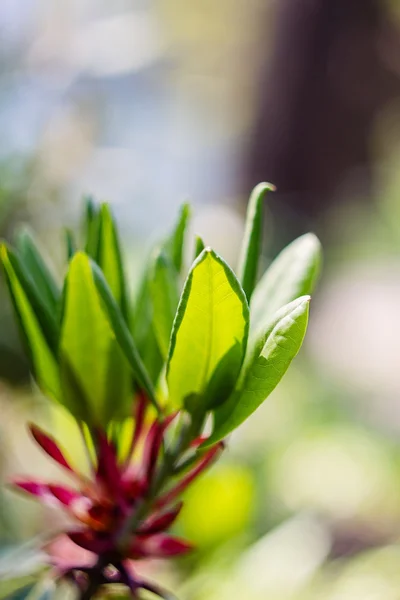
(147, 103)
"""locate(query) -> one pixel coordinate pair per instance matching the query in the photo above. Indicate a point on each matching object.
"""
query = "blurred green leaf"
(92, 228)
(143, 327)
(46, 315)
(209, 335)
(293, 273)
(37, 269)
(282, 343)
(70, 243)
(199, 246)
(16, 590)
(90, 357)
(251, 246)
(165, 297)
(109, 258)
(175, 244)
(38, 591)
(42, 360)
(122, 334)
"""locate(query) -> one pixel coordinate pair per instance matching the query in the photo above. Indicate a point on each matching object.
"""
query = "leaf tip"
(264, 187)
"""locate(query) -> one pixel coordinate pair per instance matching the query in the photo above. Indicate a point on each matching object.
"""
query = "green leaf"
(292, 274)
(199, 246)
(251, 246)
(92, 228)
(70, 243)
(46, 315)
(209, 335)
(109, 258)
(17, 590)
(175, 244)
(122, 334)
(37, 269)
(31, 591)
(42, 360)
(143, 327)
(95, 372)
(165, 296)
(282, 343)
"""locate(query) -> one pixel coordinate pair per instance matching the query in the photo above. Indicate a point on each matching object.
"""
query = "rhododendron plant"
(154, 385)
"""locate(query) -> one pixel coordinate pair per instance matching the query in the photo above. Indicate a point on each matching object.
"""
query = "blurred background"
(146, 104)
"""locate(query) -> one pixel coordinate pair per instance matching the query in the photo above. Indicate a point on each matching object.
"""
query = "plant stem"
(90, 590)
(188, 433)
(95, 577)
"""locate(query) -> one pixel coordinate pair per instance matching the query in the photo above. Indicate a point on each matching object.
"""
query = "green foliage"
(251, 247)
(37, 269)
(34, 323)
(198, 246)
(209, 335)
(292, 274)
(94, 371)
(122, 334)
(175, 244)
(164, 292)
(266, 368)
(90, 347)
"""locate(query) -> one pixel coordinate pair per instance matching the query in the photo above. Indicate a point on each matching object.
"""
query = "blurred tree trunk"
(325, 83)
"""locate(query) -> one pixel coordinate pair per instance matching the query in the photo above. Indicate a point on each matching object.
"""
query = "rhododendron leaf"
(165, 296)
(42, 360)
(38, 269)
(293, 273)
(251, 246)
(198, 247)
(92, 228)
(175, 244)
(70, 243)
(109, 258)
(143, 328)
(45, 315)
(282, 343)
(209, 336)
(90, 355)
(122, 334)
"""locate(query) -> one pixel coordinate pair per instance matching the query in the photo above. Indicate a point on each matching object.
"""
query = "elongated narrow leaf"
(175, 245)
(91, 360)
(266, 370)
(292, 274)
(165, 297)
(199, 246)
(143, 328)
(122, 334)
(110, 259)
(70, 243)
(37, 269)
(209, 335)
(251, 247)
(42, 360)
(45, 315)
(92, 228)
